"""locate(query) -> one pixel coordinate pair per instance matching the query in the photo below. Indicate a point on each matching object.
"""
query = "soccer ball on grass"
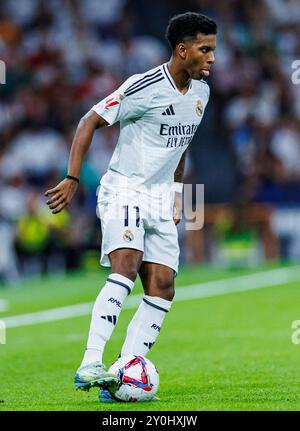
(138, 378)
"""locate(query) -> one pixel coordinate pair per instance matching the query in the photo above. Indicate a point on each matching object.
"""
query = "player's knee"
(165, 289)
(131, 272)
(126, 267)
(128, 271)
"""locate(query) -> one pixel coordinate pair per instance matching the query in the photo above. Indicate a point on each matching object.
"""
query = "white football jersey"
(157, 123)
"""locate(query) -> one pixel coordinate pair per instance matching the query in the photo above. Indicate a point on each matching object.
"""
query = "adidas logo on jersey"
(111, 319)
(169, 111)
(149, 345)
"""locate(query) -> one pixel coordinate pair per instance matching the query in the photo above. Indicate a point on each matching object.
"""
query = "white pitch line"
(242, 283)
(48, 315)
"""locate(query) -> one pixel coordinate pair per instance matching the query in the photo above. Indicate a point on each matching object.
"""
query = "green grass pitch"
(227, 352)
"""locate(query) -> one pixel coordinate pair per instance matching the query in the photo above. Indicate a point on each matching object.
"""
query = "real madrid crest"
(128, 235)
(199, 108)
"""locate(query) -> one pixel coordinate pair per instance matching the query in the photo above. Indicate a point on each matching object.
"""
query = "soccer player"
(159, 112)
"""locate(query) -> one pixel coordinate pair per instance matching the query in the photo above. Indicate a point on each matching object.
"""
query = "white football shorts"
(132, 219)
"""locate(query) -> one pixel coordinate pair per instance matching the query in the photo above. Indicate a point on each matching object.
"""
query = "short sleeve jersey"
(157, 123)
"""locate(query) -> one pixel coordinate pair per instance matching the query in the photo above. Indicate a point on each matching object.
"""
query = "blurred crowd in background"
(63, 56)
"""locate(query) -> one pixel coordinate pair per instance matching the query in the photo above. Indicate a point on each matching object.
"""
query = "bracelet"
(177, 187)
(73, 178)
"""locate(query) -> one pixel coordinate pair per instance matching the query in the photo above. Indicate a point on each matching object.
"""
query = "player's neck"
(180, 76)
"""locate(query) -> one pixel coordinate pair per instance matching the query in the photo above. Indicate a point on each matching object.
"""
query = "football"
(138, 378)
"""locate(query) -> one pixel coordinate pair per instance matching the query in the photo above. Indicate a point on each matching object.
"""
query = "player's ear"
(181, 50)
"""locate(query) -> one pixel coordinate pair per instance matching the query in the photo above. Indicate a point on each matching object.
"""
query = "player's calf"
(145, 325)
(158, 280)
(106, 311)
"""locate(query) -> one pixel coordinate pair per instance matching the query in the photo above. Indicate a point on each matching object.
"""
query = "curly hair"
(187, 25)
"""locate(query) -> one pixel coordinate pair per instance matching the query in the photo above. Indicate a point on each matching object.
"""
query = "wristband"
(177, 187)
(70, 177)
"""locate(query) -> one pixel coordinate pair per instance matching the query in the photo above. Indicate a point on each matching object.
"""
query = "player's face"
(200, 55)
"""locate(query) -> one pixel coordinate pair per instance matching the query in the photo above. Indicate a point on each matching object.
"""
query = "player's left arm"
(178, 178)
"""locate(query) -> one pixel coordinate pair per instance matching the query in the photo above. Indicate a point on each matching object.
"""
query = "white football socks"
(105, 314)
(145, 325)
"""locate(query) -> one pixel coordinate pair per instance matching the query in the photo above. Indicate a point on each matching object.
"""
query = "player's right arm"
(63, 193)
(127, 102)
